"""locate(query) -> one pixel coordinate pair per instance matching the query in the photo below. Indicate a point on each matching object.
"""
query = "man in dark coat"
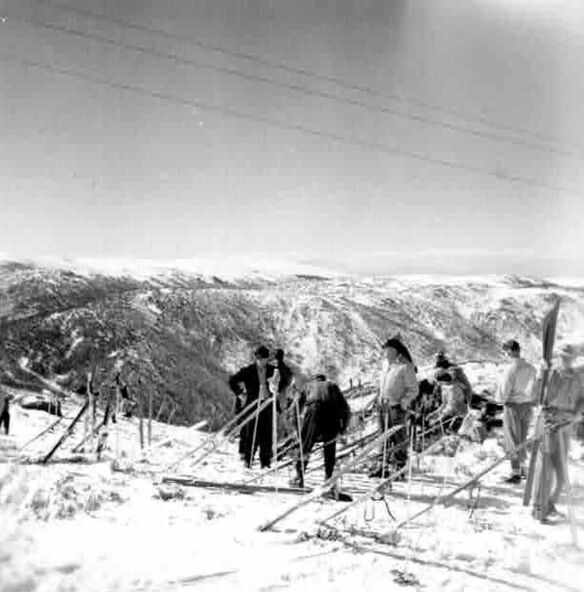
(283, 377)
(326, 415)
(257, 432)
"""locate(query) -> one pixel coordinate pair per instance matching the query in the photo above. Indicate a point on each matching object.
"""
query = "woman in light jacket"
(398, 387)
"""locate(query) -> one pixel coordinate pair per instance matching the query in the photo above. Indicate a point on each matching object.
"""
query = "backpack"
(339, 407)
(331, 400)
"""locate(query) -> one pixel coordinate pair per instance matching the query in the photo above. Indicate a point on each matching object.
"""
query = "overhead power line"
(339, 138)
(363, 88)
(295, 88)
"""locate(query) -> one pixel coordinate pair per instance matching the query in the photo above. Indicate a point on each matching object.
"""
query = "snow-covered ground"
(76, 524)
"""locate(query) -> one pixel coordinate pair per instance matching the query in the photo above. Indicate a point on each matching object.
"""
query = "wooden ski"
(215, 440)
(94, 432)
(42, 433)
(67, 433)
(444, 498)
(548, 338)
(329, 483)
(241, 487)
(51, 385)
(345, 451)
(379, 486)
(168, 440)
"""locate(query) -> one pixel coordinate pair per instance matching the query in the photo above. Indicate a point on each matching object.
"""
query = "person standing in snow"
(398, 388)
(515, 392)
(564, 400)
(326, 415)
(255, 380)
(4, 410)
(285, 376)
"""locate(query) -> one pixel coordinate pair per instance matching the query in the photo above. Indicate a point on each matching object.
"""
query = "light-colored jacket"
(398, 385)
(565, 391)
(517, 383)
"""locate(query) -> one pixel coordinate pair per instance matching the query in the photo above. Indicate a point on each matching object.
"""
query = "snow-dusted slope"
(181, 332)
(86, 526)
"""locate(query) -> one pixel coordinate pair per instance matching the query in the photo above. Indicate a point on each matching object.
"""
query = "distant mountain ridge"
(180, 333)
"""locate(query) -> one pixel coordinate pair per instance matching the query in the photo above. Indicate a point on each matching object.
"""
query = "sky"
(377, 136)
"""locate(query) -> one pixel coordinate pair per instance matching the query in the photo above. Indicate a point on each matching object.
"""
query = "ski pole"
(378, 486)
(222, 432)
(215, 441)
(332, 480)
(478, 477)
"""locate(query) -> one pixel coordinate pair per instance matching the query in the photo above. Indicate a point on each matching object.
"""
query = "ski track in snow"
(83, 526)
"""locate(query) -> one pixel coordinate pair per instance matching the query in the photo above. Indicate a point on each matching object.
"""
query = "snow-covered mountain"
(181, 330)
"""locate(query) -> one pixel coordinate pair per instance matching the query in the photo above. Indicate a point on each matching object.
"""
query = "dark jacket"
(285, 376)
(248, 375)
(327, 396)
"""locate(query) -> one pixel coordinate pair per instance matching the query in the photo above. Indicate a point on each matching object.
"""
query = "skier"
(326, 415)
(515, 392)
(564, 399)
(257, 432)
(398, 389)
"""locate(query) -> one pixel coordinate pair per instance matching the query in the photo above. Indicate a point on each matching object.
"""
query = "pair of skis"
(252, 411)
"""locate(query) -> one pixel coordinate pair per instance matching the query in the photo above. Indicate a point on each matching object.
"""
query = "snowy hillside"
(81, 525)
(181, 331)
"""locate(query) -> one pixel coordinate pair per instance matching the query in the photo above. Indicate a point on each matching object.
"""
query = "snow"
(268, 266)
(100, 526)
(256, 266)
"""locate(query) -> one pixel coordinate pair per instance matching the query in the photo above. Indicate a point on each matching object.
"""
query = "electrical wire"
(421, 119)
(339, 138)
(299, 71)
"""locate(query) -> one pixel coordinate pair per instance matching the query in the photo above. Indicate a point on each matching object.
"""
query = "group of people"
(560, 394)
(323, 407)
(252, 385)
(403, 403)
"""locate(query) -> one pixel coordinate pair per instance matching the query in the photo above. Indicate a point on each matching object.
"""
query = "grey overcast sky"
(379, 135)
